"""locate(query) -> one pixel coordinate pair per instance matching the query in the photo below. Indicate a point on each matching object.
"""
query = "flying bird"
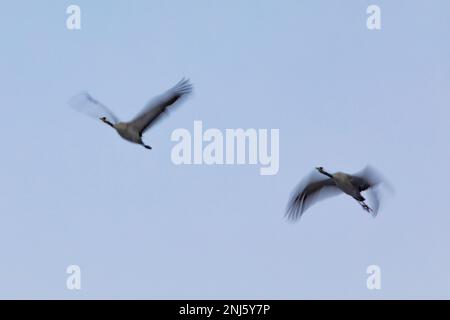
(134, 129)
(316, 188)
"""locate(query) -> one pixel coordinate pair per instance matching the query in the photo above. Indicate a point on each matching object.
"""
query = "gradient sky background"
(73, 192)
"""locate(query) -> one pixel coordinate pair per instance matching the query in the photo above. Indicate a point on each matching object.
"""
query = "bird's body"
(343, 182)
(126, 131)
(133, 130)
(313, 189)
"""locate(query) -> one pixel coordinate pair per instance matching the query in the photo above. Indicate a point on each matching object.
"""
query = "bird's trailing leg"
(143, 144)
(366, 207)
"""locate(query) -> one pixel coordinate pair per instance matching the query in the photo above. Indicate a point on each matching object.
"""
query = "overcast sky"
(73, 193)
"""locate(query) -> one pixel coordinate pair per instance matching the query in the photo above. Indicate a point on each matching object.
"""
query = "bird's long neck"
(107, 122)
(322, 171)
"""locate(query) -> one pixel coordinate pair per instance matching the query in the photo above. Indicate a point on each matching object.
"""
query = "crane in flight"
(134, 129)
(314, 189)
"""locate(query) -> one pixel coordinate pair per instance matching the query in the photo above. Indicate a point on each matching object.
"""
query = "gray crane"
(315, 188)
(134, 129)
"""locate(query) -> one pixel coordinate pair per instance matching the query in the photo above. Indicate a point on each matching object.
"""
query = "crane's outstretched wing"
(83, 102)
(159, 104)
(309, 192)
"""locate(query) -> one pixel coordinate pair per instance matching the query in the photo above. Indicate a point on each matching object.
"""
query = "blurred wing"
(371, 181)
(159, 104)
(84, 103)
(309, 192)
(374, 200)
(367, 178)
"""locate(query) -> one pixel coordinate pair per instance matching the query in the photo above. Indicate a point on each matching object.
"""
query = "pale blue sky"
(72, 192)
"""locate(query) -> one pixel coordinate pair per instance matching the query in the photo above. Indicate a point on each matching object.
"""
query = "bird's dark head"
(320, 169)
